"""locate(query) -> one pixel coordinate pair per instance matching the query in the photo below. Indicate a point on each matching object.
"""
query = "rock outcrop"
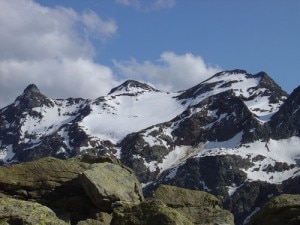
(286, 122)
(14, 211)
(283, 209)
(148, 213)
(97, 191)
(41, 176)
(51, 182)
(108, 184)
(200, 207)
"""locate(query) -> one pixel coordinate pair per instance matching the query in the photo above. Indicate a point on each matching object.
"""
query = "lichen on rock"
(283, 209)
(14, 211)
(150, 212)
(200, 207)
(108, 184)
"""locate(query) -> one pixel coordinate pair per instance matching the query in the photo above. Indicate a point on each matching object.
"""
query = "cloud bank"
(170, 72)
(52, 48)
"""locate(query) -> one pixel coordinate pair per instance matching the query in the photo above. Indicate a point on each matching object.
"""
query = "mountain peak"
(32, 97)
(131, 86)
(31, 88)
(235, 71)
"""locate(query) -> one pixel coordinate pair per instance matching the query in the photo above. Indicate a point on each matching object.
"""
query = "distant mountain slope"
(35, 125)
(236, 135)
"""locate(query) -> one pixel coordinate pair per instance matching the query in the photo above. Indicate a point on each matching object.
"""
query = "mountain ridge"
(233, 125)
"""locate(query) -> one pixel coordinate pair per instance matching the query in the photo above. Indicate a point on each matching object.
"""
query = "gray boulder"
(283, 209)
(109, 184)
(14, 211)
(150, 212)
(199, 207)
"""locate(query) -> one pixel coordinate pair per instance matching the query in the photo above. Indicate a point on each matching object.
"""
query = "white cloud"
(57, 78)
(170, 72)
(51, 47)
(154, 5)
(97, 27)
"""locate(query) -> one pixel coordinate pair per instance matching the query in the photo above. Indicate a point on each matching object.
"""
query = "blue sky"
(172, 44)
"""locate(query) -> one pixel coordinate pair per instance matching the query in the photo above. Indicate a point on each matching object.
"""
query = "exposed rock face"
(148, 213)
(108, 184)
(13, 211)
(32, 97)
(200, 207)
(210, 173)
(286, 122)
(283, 209)
(248, 197)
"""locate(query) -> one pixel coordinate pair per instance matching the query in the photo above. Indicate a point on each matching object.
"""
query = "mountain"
(131, 87)
(235, 135)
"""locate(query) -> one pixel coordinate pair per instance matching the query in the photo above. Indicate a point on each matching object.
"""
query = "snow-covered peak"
(231, 77)
(259, 92)
(131, 87)
(226, 73)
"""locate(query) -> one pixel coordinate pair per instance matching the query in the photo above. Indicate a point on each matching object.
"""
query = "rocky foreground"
(102, 191)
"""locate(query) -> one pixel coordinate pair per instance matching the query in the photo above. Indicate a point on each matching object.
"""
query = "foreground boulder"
(200, 207)
(37, 178)
(109, 184)
(283, 209)
(148, 213)
(97, 191)
(13, 211)
(51, 182)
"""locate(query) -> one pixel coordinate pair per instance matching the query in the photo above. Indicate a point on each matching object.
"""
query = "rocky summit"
(235, 135)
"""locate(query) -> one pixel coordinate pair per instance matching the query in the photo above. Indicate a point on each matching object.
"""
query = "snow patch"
(247, 220)
(205, 187)
(152, 166)
(232, 143)
(172, 173)
(176, 157)
(282, 151)
(6, 154)
(232, 189)
(47, 120)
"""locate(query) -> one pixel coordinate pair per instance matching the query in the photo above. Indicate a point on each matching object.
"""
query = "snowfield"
(284, 151)
(120, 115)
